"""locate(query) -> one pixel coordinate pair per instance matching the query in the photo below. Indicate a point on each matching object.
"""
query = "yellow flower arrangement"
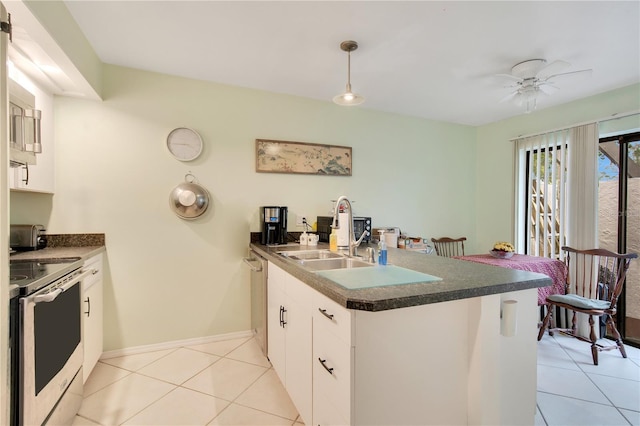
(504, 246)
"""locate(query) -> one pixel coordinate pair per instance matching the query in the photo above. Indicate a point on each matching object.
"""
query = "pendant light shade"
(348, 98)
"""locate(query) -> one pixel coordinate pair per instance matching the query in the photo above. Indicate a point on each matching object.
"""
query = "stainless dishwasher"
(258, 265)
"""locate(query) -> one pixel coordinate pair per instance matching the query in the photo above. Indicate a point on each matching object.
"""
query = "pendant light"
(348, 98)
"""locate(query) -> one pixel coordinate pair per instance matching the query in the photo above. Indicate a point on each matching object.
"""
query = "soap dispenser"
(333, 240)
(382, 249)
(304, 238)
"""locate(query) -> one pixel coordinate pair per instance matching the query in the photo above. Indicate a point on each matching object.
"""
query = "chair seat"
(579, 301)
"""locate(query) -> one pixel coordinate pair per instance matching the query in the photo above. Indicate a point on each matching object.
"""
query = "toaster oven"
(27, 237)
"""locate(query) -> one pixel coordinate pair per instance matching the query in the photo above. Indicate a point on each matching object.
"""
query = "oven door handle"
(52, 295)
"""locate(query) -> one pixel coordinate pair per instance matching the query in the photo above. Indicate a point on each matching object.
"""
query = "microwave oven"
(360, 224)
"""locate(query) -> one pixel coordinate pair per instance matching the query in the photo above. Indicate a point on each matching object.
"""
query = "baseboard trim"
(175, 344)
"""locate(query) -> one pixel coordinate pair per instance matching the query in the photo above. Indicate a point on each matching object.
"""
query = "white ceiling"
(428, 59)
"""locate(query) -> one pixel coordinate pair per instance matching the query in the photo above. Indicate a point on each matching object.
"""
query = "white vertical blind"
(582, 186)
(540, 191)
(556, 200)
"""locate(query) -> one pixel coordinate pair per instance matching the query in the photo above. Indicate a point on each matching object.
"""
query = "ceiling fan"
(532, 77)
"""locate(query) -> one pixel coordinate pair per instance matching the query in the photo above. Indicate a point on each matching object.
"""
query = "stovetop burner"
(26, 273)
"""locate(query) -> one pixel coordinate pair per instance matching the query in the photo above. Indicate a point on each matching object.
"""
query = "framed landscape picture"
(304, 158)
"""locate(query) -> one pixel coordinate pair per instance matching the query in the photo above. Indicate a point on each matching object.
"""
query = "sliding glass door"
(619, 219)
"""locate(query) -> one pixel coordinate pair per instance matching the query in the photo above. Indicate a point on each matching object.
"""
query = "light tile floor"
(220, 383)
(573, 391)
(232, 383)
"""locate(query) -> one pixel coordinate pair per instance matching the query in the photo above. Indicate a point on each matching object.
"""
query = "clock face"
(185, 144)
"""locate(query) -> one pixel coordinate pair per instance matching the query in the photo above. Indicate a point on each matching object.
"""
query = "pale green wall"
(171, 279)
(495, 155)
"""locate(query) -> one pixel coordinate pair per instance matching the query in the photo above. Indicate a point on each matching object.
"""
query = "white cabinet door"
(298, 347)
(275, 317)
(41, 175)
(92, 315)
(289, 320)
(33, 178)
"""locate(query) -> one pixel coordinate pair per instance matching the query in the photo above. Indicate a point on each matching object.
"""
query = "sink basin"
(310, 254)
(335, 263)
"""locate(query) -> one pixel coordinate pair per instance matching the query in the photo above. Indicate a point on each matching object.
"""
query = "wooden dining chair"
(594, 281)
(449, 247)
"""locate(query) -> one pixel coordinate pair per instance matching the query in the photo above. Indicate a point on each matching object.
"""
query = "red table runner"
(554, 269)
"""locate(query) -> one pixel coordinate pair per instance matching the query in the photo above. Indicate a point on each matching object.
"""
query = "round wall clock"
(184, 144)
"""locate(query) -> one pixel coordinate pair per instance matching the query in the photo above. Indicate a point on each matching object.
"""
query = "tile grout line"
(247, 388)
(587, 374)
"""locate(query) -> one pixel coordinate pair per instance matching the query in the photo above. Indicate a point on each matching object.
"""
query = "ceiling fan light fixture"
(348, 98)
(532, 77)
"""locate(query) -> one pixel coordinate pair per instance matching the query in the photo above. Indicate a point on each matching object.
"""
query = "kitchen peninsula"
(418, 353)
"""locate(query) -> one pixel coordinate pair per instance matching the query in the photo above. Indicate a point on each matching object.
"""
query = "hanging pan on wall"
(189, 200)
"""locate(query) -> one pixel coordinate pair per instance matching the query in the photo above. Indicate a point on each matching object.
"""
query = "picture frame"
(274, 156)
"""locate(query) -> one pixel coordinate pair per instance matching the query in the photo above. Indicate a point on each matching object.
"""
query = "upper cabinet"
(49, 56)
(36, 172)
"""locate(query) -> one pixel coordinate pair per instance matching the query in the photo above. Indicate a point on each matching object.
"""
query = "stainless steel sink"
(322, 260)
(336, 263)
(310, 254)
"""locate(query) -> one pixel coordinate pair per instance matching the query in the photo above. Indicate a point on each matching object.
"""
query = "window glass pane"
(608, 195)
(546, 177)
(632, 329)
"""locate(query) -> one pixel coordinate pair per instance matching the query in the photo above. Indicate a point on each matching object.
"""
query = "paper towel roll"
(509, 318)
(343, 230)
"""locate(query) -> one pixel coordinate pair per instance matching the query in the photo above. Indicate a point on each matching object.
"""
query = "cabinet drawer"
(332, 317)
(332, 370)
(95, 265)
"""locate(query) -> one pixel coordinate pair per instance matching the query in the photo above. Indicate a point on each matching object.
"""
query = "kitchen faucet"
(353, 244)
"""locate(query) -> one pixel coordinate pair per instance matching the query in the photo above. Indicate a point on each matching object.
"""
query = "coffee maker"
(273, 220)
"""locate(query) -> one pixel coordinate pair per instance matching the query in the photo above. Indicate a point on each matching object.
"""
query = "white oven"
(50, 352)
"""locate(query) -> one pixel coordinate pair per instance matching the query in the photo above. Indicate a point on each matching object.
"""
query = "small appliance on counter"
(273, 220)
(391, 235)
(360, 224)
(27, 237)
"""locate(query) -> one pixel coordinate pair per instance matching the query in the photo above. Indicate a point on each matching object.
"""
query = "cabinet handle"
(26, 180)
(88, 302)
(323, 361)
(324, 312)
(94, 271)
(282, 311)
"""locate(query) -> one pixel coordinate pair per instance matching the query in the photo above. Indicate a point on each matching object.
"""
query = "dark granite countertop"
(83, 246)
(460, 279)
(59, 253)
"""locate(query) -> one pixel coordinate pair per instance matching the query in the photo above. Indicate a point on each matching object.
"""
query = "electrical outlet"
(300, 220)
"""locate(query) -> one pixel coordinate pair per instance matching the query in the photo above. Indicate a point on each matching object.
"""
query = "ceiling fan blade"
(554, 68)
(509, 97)
(587, 71)
(510, 77)
(548, 88)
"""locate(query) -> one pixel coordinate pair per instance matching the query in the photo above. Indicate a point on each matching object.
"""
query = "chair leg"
(616, 334)
(545, 322)
(592, 337)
